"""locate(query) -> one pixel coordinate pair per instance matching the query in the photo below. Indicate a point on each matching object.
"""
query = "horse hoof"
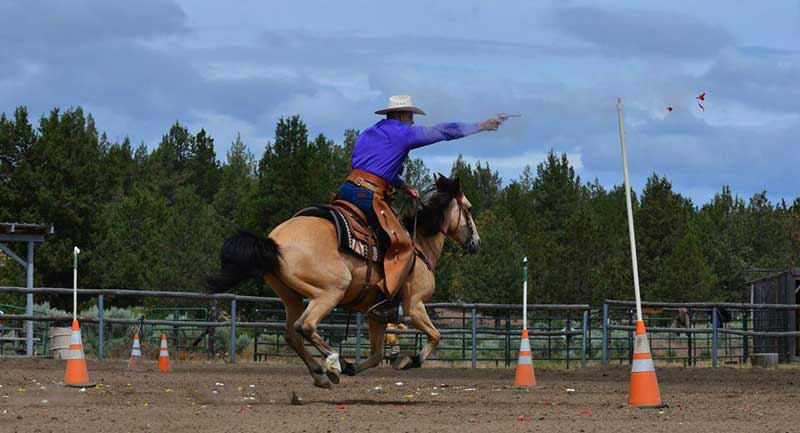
(323, 383)
(403, 363)
(333, 377)
(349, 369)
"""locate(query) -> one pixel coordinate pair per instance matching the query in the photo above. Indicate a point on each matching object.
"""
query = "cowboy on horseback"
(303, 258)
(378, 157)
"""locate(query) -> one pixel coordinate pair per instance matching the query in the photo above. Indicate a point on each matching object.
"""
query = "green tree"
(767, 233)
(612, 274)
(556, 195)
(120, 168)
(294, 173)
(127, 239)
(661, 222)
(182, 159)
(416, 174)
(17, 137)
(720, 232)
(685, 276)
(494, 275)
(237, 180)
(350, 136)
(166, 166)
(64, 181)
(204, 170)
(152, 244)
(480, 184)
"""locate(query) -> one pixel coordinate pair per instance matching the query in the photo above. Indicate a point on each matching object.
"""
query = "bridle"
(462, 211)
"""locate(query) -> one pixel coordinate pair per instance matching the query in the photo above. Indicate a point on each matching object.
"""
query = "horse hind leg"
(306, 326)
(294, 308)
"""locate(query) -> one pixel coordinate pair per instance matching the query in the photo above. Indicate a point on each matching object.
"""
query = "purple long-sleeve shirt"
(382, 148)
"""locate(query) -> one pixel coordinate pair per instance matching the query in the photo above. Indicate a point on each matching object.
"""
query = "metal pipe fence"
(472, 333)
(716, 331)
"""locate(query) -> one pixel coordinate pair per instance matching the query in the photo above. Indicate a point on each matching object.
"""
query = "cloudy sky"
(234, 67)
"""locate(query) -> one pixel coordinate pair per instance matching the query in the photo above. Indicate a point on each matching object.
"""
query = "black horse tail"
(244, 256)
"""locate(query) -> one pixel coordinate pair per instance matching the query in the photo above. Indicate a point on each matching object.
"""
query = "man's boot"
(384, 311)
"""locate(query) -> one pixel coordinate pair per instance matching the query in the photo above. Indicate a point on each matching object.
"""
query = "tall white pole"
(525, 293)
(630, 211)
(75, 252)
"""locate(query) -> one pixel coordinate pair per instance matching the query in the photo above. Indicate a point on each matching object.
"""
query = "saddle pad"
(353, 235)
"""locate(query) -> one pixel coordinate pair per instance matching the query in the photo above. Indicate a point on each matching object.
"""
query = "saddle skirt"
(353, 232)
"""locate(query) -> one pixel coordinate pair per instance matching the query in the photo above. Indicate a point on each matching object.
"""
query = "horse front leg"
(421, 321)
(377, 332)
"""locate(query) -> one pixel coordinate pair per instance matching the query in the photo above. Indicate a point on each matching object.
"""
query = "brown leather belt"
(370, 182)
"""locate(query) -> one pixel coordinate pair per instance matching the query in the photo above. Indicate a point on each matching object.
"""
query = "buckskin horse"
(300, 259)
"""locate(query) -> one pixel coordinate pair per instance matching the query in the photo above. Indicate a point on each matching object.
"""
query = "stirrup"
(384, 311)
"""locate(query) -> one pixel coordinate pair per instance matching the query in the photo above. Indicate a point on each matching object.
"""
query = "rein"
(421, 204)
(461, 212)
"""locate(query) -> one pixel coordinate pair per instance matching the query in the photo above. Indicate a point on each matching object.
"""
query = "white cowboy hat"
(400, 103)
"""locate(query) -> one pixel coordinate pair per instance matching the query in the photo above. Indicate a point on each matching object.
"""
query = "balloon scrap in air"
(700, 99)
(669, 108)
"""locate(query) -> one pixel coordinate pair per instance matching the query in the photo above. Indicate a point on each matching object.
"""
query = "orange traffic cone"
(136, 353)
(644, 392)
(525, 376)
(163, 356)
(77, 374)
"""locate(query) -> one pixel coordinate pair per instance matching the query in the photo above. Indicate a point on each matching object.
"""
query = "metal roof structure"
(21, 232)
(30, 234)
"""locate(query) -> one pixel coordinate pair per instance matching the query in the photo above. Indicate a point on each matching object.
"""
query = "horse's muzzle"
(473, 246)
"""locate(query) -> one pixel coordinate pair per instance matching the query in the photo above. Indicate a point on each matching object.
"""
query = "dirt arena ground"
(214, 397)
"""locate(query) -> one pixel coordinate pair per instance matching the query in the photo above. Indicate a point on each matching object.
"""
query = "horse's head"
(458, 223)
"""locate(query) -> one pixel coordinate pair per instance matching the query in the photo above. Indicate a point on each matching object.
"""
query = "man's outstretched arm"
(425, 135)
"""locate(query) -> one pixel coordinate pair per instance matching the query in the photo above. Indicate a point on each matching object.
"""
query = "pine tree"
(204, 170)
(294, 173)
(481, 184)
(237, 180)
(685, 276)
(62, 176)
(720, 234)
(17, 137)
(661, 222)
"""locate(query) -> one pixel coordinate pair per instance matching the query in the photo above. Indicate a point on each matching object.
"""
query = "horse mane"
(430, 217)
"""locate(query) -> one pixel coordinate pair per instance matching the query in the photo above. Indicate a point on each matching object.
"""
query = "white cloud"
(233, 71)
(229, 68)
(736, 114)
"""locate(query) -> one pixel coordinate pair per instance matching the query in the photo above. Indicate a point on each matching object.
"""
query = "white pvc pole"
(525, 293)
(630, 212)
(75, 252)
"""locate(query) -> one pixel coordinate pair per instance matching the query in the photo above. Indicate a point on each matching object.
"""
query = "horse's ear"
(455, 187)
(441, 182)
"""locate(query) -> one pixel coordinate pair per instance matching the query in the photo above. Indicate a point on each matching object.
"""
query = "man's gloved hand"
(490, 124)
